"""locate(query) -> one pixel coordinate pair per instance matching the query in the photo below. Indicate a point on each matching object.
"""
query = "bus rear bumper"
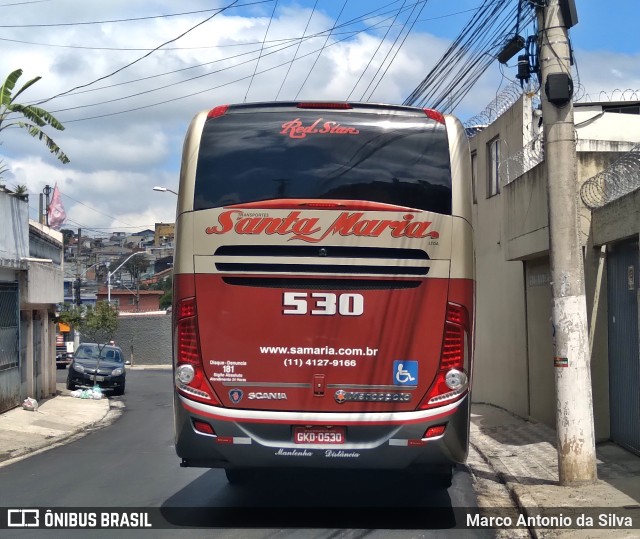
(260, 439)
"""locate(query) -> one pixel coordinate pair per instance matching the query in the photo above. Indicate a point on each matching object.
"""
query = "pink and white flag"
(55, 212)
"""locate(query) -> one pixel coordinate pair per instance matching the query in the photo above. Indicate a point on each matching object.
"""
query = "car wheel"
(70, 385)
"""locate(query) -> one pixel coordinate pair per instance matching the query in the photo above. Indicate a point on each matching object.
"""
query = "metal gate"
(624, 358)
(9, 346)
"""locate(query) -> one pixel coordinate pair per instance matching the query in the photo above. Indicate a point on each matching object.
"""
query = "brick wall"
(145, 339)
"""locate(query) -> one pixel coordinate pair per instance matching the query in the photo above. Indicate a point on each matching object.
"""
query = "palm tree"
(35, 117)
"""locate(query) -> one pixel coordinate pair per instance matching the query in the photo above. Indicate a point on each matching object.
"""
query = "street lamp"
(115, 271)
(164, 189)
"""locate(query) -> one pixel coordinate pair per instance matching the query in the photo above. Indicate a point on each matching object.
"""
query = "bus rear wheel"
(238, 476)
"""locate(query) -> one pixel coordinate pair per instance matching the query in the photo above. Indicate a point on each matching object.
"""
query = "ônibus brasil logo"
(310, 229)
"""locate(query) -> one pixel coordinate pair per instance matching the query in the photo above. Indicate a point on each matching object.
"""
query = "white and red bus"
(323, 289)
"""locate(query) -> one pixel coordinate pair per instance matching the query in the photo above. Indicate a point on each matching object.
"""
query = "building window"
(474, 176)
(493, 160)
(132, 301)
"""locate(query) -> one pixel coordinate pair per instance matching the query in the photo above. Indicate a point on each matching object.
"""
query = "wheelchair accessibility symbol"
(405, 373)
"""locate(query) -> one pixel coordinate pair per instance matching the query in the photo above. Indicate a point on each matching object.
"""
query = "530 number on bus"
(322, 303)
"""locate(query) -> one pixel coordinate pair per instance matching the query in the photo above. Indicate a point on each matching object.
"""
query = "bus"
(323, 303)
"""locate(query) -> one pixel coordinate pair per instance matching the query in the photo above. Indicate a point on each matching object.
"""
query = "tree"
(35, 117)
(166, 299)
(67, 236)
(96, 324)
(136, 267)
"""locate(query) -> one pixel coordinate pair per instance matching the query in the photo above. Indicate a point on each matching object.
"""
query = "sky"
(124, 133)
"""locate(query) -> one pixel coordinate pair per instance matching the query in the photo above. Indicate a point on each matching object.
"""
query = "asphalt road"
(131, 463)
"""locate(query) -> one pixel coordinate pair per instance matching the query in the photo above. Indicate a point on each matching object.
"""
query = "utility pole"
(574, 401)
(78, 283)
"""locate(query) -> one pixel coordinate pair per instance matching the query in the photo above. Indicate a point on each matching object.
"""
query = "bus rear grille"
(294, 251)
(310, 268)
(321, 260)
(320, 284)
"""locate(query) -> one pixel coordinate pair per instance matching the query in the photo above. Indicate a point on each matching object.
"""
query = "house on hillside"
(131, 301)
(514, 331)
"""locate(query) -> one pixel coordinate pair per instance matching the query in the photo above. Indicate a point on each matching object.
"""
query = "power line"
(382, 40)
(392, 46)
(172, 100)
(24, 3)
(205, 47)
(93, 209)
(361, 18)
(266, 33)
(209, 73)
(468, 57)
(322, 49)
(295, 54)
(221, 10)
(128, 19)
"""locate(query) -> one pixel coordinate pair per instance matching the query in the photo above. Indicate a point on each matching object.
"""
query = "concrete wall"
(145, 339)
(500, 372)
(514, 340)
(14, 239)
(41, 284)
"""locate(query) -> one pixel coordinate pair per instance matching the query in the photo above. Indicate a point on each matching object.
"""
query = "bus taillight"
(434, 115)
(452, 380)
(216, 112)
(190, 378)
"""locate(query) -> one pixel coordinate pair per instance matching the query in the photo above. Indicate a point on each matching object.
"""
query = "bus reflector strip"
(233, 440)
(398, 442)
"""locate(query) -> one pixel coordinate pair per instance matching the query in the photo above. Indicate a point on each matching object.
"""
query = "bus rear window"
(306, 154)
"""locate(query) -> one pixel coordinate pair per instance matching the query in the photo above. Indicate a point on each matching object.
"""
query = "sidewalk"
(58, 419)
(523, 455)
(511, 460)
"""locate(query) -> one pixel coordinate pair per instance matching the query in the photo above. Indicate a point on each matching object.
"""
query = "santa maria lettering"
(309, 229)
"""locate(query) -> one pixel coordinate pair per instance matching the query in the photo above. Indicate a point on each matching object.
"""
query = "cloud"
(133, 145)
(607, 75)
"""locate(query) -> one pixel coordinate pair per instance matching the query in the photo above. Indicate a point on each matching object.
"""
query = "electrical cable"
(209, 73)
(382, 40)
(13, 4)
(202, 47)
(261, 49)
(163, 102)
(396, 53)
(128, 19)
(321, 50)
(362, 18)
(221, 10)
(468, 57)
(295, 54)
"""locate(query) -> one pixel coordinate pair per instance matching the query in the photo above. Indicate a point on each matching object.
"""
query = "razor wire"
(613, 96)
(498, 106)
(522, 161)
(620, 178)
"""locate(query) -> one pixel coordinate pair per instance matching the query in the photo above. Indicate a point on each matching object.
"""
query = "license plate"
(99, 378)
(319, 435)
